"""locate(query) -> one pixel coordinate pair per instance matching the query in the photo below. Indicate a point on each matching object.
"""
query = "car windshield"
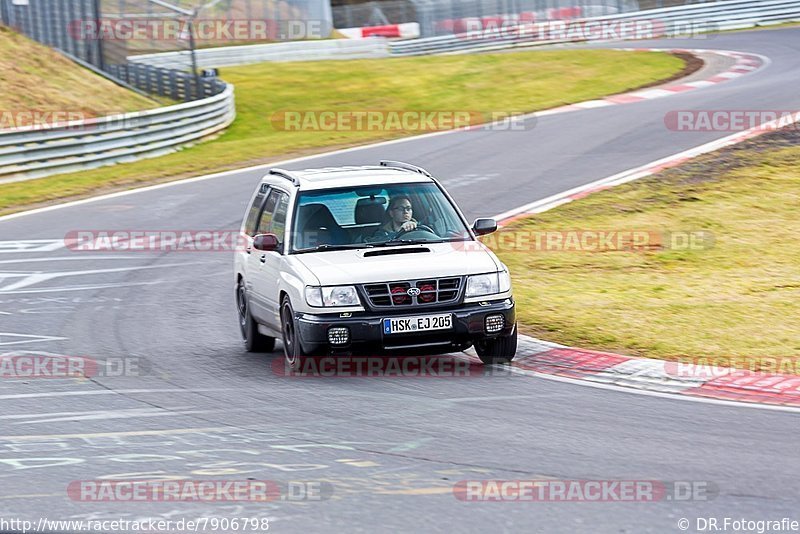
(375, 215)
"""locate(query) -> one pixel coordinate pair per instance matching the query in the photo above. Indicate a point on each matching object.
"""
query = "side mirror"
(484, 226)
(266, 242)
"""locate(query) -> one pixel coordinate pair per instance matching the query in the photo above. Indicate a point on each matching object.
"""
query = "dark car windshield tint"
(374, 216)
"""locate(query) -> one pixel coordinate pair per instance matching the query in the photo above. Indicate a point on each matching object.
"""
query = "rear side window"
(255, 209)
(266, 215)
(279, 219)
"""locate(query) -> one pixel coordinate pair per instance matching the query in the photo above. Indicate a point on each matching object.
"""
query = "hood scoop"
(394, 251)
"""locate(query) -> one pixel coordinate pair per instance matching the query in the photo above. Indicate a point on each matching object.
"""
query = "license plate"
(425, 323)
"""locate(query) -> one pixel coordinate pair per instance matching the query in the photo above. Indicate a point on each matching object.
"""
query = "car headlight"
(321, 297)
(488, 284)
(505, 281)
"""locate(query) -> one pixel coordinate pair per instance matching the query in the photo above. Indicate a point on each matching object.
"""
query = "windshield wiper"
(328, 246)
(396, 242)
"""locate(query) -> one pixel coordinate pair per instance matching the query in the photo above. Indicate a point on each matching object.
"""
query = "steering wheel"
(422, 227)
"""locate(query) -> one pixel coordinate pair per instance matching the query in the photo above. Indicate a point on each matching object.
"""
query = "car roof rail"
(286, 174)
(405, 167)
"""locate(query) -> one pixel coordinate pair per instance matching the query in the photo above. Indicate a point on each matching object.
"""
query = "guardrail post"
(173, 84)
(99, 41)
(148, 76)
(160, 81)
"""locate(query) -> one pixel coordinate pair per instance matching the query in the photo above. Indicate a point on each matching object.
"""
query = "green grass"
(739, 299)
(507, 82)
(34, 77)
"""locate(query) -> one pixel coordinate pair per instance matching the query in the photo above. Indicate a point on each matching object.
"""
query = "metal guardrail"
(374, 47)
(676, 21)
(177, 85)
(27, 154)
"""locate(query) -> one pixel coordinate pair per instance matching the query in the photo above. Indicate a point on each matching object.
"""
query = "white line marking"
(31, 245)
(117, 414)
(28, 338)
(86, 257)
(105, 392)
(166, 432)
(32, 278)
(83, 287)
(88, 412)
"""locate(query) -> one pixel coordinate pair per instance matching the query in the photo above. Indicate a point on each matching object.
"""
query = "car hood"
(436, 260)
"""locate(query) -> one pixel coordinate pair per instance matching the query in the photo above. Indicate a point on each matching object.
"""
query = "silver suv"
(362, 259)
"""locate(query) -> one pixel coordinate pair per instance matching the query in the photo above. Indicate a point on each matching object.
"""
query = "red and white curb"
(538, 357)
(744, 64)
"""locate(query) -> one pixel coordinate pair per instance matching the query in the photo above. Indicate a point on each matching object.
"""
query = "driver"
(400, 219)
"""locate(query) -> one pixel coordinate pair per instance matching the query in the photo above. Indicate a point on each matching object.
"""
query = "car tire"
(497, 350)
(292, 350)
(254, 341)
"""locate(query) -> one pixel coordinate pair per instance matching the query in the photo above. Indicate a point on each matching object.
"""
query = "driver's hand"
(408, 226)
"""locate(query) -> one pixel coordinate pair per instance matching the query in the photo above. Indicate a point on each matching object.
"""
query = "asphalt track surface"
(392, 448)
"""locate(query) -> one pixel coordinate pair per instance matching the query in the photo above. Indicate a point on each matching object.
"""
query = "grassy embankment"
(735, 297)
(507, 82)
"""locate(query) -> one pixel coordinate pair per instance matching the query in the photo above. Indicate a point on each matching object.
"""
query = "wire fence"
(103, 34)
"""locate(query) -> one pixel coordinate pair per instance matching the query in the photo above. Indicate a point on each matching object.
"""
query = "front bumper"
(366, 329)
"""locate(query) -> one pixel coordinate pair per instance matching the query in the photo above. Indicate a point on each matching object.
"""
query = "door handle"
(264, 258)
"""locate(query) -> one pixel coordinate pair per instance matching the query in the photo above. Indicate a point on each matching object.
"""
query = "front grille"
(432, 291)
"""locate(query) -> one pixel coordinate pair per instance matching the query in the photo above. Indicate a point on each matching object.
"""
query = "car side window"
(279, 218)
(266, 216)
(255, 209)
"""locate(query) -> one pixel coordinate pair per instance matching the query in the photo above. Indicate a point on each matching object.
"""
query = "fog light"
(494, 323)
(338, 336)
